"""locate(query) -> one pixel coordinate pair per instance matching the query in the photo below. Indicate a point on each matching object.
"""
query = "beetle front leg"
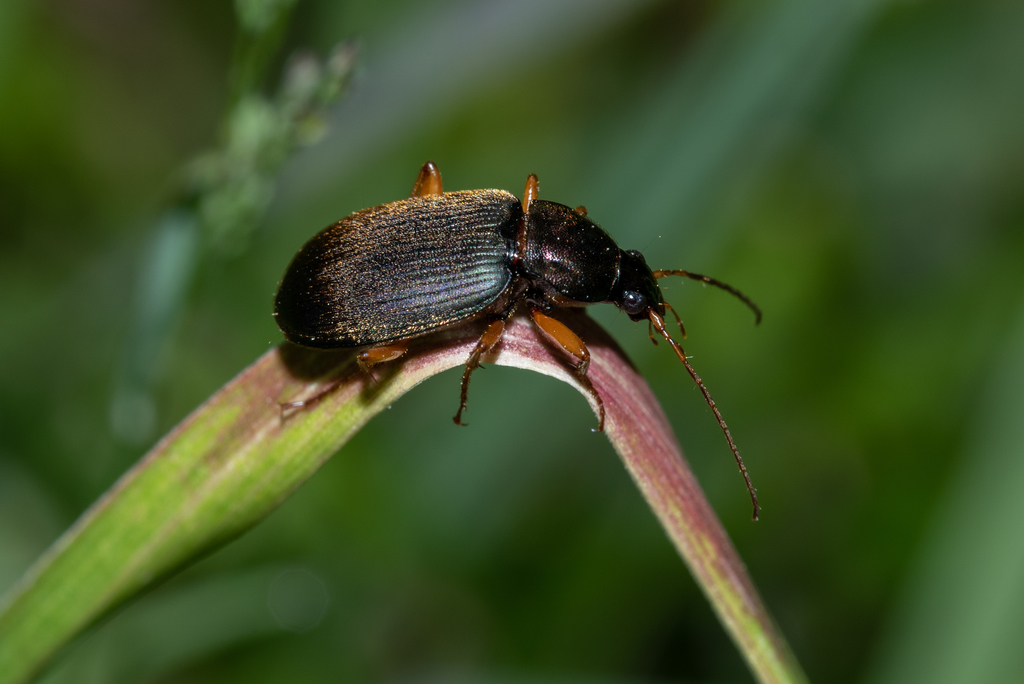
(428, 182)
(560, 335)
(486, 343)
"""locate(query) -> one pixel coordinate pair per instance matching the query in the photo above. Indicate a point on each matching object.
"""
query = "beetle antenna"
(659, 324)
(717, 283)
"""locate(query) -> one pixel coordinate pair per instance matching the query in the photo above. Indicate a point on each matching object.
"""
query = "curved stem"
(234, 459)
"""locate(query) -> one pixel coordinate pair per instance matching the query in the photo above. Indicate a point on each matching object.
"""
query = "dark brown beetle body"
(387, 274)
(403, 269)
(400, 270)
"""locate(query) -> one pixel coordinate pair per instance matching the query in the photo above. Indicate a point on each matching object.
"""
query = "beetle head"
(636, 291)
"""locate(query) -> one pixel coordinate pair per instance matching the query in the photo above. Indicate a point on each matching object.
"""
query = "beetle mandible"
(385, 275)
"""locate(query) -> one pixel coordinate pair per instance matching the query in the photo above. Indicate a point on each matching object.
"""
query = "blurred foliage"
(854, 166)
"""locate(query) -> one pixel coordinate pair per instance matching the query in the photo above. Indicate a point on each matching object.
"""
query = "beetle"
(385, 275)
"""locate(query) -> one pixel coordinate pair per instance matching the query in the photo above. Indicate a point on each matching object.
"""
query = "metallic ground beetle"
(385, 275)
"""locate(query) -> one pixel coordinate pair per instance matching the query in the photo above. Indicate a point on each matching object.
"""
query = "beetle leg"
(366, 359)
(581, 210)
(559, 334)
(382, 353)
(531, 191)
(486, 343)
(428, 182)
(682, 328)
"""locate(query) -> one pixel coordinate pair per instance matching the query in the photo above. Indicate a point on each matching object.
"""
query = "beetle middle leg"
(486, 343)
(559, 334)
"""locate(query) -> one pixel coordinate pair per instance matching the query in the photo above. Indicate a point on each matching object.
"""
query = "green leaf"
(959, 619)
(237, 457)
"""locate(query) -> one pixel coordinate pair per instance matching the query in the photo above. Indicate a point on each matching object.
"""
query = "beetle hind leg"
(381, 353)
(366, 360)
(486, 343)
(565, 339)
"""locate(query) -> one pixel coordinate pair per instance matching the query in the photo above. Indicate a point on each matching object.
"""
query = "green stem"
(235, 458)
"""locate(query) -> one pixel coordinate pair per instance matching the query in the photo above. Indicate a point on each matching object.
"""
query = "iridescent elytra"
(385, 275)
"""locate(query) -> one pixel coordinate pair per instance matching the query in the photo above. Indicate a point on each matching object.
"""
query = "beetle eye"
(633, 302)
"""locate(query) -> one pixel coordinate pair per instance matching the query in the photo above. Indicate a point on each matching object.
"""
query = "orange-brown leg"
(486, 343)
(428, 182)
(560, 335)
(682, 328)
(382, 353)
(366, 359)
(531, 191)
(581, 210)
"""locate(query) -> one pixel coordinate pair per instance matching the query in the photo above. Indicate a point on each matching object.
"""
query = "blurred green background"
(855, 166)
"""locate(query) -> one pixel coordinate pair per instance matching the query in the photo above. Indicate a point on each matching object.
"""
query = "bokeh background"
(856, 166)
